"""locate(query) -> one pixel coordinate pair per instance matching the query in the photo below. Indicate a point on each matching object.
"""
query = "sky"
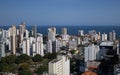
(60, 12)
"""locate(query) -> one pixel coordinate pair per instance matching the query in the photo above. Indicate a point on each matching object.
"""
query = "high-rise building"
(49, 46)
(91, 53)
(56, 45)
(26, 33)
(26, 47)
(114, 35)
(13, 39)
(22, 32)
(64, 31)
(34, 31)
(80, 32)
(13, 30)
(39, 45)
(59, 66)
(23, 27)
(2, 49)
(20, 38)
(72, 44)
(2, 44)
(110, 36)
(104, 37)
(92, 32)
(13, 43)
(51, 34)
(32, 40)
(33, 49)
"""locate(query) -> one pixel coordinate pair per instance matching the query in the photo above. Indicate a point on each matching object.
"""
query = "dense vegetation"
(26, 65)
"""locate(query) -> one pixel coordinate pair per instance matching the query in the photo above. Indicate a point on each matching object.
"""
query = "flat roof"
(108, 43)
(54, 60)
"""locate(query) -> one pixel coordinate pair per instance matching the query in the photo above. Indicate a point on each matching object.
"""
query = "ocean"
(73, 30)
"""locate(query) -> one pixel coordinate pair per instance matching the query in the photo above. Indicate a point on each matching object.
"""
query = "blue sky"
(60, 12)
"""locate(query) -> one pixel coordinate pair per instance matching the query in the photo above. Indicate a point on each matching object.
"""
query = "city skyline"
(60, 12)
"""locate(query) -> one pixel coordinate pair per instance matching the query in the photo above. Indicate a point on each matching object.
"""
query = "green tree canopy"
(50, 56)
(24, 66)
(37, 58)
(72, 51)
(2, 66)
(25, 72)
(22, 58)
(10, 59)
(41, 69)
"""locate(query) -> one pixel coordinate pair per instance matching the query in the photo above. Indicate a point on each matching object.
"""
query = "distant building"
(26, 47)
(34, 31)
(49, 46)
(79, 42)
(40, 45)
(26, 34)
(72, 44)
(56, 45)
(33, 49)
(2, 49)
(13, 39)
(105, 47)
(13, 44)
(60, 66)
(91, 53)
(80, 32)
(23, 27)
(112, 36)
(64, 31)
(65, 37)
(104, 37)
(51, 33)
(22, 31)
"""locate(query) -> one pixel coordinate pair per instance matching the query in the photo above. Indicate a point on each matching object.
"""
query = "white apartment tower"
(91, 53)
(2, 49)
(104, 37)
(13, 39)
(26, 47)
(81, 32)
(60, 66)
(64, 31)
(56, 45)
(114, 35)
(51, 34)
(49, 46)
(39, 45)
(33, 49)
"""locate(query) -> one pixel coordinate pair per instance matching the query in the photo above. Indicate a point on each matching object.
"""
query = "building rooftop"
(108, 43)
(54, 60)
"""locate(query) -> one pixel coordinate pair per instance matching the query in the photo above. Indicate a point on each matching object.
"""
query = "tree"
(72, 51)
(37, 58)
(24, 66)
(12, 67)
(22, 58)
(2, 66)
(50, 56)
(41, 69)
(18, 60)
(25, 72)
(10, 59)
(3, 60)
